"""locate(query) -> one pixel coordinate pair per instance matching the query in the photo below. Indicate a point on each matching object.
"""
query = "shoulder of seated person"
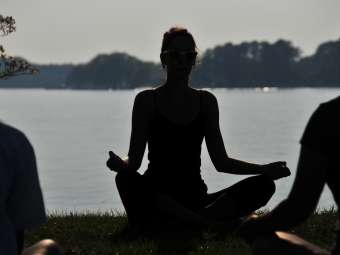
(208, 97)
(10, 131)
(145, 98)
(145, 95)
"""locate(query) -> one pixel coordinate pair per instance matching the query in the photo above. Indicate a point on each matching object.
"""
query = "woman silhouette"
(174, 119)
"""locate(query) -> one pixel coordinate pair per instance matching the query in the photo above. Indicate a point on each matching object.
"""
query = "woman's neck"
(177, 84)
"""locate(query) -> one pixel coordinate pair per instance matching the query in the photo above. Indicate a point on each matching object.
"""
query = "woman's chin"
(182, 73)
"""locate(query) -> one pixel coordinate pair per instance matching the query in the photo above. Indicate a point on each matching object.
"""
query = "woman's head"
(178, 52)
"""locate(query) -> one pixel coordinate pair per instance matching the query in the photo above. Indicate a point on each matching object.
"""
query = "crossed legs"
(242, 198)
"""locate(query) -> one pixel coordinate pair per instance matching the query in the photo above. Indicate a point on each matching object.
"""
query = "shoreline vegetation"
(245, 65)
(108, 232)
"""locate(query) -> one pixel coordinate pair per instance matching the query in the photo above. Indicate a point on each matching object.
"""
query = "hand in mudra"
(115, 163)
(276, 170)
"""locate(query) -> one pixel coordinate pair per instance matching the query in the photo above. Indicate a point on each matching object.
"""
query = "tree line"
(260, 64)
(249, 64)
(253, 64)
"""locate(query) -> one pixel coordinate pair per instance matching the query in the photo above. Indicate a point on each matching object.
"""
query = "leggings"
(138, 194)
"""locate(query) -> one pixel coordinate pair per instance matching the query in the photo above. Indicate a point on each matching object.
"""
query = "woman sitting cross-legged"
(173, 120)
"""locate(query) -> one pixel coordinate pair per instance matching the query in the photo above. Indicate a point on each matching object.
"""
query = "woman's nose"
(182, 59)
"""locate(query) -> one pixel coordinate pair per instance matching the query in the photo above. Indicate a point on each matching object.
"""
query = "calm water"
(72, 132)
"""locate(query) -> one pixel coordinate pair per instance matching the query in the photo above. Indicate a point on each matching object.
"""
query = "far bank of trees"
(272, 65)
(116, 71)
(49, 77)
(249, 64)
(254, 64)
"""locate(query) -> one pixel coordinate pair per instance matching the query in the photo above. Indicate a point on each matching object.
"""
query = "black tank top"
(175, 152)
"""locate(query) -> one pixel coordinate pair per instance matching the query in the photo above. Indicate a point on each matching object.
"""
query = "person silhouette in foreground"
(21, 201)
(319, 164)
(174, 119)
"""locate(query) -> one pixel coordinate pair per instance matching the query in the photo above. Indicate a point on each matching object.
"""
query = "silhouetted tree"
(323, 68)
(12, 66)
(278, 61)
(227, 66)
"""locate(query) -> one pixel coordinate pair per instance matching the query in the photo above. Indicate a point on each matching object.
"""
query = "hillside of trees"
(249, 64)
(116, 71)
(269, 65)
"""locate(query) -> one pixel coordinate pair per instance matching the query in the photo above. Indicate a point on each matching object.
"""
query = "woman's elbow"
(221, 167)
(134, 166)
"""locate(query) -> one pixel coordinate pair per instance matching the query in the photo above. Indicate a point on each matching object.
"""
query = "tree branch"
(7, 25)
(12, 66)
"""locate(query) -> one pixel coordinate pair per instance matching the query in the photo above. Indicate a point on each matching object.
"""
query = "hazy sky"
(75, 31)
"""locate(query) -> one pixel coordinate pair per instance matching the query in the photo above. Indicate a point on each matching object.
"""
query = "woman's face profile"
(180, 67)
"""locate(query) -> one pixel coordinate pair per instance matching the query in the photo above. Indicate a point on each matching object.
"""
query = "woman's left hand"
(115, 163)
(276, 170)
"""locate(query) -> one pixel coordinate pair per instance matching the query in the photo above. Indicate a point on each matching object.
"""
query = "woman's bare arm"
(218, 154)
(142, 113)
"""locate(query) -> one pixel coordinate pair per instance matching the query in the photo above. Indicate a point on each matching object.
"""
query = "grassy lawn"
(109, 233)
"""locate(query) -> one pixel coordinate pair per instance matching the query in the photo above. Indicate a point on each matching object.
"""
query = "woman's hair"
(171, 34)
(174, 32)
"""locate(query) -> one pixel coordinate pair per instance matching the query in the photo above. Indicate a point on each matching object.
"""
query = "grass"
(109, 233)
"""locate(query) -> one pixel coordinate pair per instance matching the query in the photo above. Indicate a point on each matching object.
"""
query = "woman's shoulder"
(145, 95)
(145, 99)
(208, 97)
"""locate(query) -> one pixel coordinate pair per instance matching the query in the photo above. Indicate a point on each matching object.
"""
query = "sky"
(75, 31)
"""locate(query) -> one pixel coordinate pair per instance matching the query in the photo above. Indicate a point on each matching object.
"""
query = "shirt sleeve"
(315, 136)
(25, 205)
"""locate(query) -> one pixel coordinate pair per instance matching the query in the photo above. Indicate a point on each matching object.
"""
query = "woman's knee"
(124, 177)
(267, 185)
(121, 177)
(128, 181)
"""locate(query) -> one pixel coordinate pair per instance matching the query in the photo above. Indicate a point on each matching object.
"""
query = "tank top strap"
(154, 95)
(201, 92)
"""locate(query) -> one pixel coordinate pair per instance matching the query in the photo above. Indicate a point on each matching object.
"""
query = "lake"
(73, 130)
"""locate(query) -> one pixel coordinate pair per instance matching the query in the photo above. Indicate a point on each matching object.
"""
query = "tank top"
(175, 153)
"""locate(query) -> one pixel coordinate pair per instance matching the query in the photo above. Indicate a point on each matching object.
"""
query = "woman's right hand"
(276, 170)
(115, 163)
